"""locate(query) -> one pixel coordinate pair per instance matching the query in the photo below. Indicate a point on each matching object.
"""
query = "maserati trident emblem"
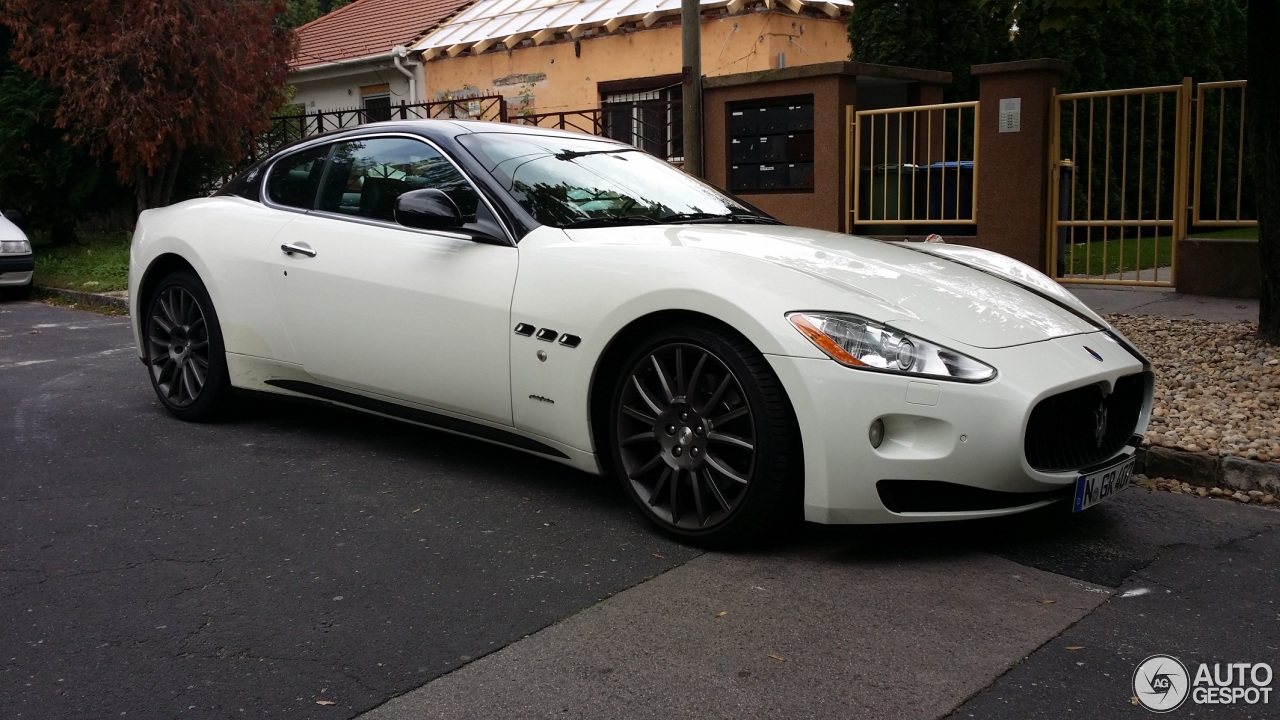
(1094, 353)
(1100, 423)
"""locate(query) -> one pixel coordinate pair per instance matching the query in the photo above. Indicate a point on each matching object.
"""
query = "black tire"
(186, 359)
(701, 437)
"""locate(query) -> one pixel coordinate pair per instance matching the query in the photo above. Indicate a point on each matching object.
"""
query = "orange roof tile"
(368, 27)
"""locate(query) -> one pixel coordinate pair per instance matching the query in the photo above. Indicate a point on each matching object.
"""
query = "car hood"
(928, 293)
(9, 231)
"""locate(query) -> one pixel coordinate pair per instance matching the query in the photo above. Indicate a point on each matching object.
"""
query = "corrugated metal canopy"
(489, 22)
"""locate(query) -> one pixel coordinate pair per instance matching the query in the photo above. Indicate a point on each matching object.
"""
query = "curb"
(85, 298)
(1205, 470)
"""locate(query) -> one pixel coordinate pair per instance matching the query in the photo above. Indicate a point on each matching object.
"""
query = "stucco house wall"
(564, 75)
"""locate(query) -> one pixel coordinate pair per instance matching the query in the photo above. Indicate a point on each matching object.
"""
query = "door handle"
(301, 250)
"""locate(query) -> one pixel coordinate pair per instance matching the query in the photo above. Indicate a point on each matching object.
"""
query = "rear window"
(295, 179)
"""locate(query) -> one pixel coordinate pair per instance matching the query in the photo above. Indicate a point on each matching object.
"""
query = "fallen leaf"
(416, 510)
(1134, 701)
(1075, 647)
(660, 556)
(1047, 602)
(779, 658)
(722, 613)
(326, 702)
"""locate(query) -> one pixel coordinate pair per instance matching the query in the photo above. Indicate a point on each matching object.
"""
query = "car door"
(412, 314)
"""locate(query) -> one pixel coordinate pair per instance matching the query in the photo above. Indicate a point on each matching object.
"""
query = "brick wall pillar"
(1013, 162)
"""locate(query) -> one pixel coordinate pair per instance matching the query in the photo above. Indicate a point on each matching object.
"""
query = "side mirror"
(428, 209)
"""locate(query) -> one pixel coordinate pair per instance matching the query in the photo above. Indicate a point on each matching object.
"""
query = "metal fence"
(1223, 168)
(287, 128)
(913, 165)
(655, 126)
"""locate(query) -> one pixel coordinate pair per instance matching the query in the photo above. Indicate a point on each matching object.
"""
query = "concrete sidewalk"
(1165, 303)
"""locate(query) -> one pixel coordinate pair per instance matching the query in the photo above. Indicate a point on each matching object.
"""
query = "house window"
(651, 118)
(376, 100)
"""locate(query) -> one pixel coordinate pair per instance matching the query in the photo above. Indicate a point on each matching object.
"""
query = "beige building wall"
(563, 75)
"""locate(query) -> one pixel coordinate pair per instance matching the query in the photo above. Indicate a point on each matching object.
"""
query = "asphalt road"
(256, 567)
(296, 562)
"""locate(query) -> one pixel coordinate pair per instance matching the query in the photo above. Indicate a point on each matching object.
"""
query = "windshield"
(572, 182)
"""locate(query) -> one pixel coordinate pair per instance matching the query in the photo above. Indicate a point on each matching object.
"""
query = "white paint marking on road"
(1136, 592)
(47, 325)
(24, 363)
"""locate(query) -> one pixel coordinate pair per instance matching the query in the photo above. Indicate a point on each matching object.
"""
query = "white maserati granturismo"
(577, 299)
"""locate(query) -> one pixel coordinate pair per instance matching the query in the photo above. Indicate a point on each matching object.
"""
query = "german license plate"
(1095, 487)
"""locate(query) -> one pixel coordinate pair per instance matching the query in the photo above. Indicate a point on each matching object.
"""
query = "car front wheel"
(184, 349)
(701, 436)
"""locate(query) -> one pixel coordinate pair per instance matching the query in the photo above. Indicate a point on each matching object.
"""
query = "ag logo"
(1161, 683)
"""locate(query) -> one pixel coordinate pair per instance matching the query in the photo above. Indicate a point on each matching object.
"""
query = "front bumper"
(966, 435)
(16, 270)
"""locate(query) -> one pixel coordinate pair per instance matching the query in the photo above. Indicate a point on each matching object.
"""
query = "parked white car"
(17, 263)
(580, 300)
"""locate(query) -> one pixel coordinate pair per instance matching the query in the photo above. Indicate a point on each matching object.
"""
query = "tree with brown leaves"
(145, 81)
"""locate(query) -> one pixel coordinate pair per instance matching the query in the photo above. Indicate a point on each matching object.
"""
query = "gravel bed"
(1217, 385)
(1178, 487)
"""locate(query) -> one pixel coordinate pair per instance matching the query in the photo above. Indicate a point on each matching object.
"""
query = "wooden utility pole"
(691, 51)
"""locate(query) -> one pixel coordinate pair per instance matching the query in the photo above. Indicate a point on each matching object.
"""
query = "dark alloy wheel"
(184, 349)
(701, 436)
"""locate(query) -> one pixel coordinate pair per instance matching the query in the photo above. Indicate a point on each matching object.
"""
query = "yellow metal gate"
(1129, 181)
(1119, 185)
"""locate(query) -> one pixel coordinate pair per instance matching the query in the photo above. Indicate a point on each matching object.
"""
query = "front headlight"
(15, 247)
(868, 345)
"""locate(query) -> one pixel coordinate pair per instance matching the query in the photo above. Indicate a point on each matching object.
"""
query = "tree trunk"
(1262, 113)
(152, 190)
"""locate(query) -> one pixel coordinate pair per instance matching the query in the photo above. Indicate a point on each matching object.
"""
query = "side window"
(366, 176)
(295, 179)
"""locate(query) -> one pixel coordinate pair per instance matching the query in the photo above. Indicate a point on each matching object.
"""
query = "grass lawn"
(1088, 257)
(97, 263)
(1245, 233)
(1155, 252)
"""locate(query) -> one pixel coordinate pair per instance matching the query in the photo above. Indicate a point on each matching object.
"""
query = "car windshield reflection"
(577, 183)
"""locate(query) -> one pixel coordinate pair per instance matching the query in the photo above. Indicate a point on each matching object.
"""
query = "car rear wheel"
(184, 350)
(701, 436)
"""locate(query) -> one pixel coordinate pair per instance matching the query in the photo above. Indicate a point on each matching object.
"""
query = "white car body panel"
(421, 316)
(227, 244)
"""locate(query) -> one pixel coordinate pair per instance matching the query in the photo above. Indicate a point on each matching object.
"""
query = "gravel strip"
(1217, 385)
(1177, 487)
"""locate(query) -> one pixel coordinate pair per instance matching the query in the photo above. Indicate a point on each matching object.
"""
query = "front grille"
(1063, 431)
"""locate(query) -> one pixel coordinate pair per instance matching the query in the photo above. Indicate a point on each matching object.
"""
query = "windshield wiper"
(572, 154)
(707, 218)
(612, 221)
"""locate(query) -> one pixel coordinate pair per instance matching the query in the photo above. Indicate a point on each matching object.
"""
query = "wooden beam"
(456, 50)
(576, 31)
(543, 35)
(735, 6)
(515, 39)
(431, 53)
(483, 45)
(831, 9)
(794, 5)
(614, 24)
